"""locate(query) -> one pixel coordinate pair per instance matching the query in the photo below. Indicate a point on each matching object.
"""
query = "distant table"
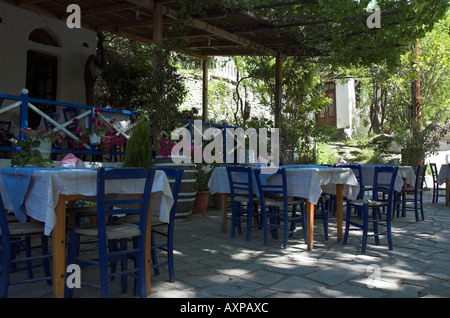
(48, 190)
(444, 177)
(302, 181)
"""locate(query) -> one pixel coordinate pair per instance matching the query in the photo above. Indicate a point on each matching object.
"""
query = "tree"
(417, 129)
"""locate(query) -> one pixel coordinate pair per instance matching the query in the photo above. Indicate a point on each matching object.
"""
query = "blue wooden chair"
(381, 203)
(414, 194)
(11, 237)
(109, 206)
(243, 202)
(276, 206)
(165, 230)
(436, 188)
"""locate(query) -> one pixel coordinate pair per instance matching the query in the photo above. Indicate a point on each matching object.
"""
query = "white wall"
(16, 26)
(345, 104)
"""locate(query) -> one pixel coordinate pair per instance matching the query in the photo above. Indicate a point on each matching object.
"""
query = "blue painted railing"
(23, 102)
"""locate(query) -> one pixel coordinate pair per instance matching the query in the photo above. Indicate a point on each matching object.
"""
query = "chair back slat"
(358, 174)
(240, 180)
(138, 203)
(383, 182)
(420, 177)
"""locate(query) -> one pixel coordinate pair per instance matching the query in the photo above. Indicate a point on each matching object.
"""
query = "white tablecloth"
(304, 182)
(444, 173)
(46, 185)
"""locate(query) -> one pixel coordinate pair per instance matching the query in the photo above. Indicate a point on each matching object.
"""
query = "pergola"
(220, 32)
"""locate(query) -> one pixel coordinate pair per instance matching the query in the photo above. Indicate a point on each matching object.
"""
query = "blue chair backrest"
(240, 180)
(358, 174)
(176, 175)
(434, 172)
(277, 189)
(4, 234)
(108, 206)
(420, 177)
(383, 182)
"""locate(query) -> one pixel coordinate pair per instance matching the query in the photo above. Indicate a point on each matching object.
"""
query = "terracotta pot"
(201, 201)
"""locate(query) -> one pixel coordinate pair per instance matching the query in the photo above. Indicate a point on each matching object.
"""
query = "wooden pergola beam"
(204, 26)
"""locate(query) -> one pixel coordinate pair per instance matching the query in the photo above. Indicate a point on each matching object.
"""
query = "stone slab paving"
(210, 264)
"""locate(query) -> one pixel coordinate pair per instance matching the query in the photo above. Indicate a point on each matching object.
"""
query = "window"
(41, 77)
(40, 36)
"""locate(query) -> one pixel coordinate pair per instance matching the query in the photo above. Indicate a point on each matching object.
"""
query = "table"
(303, 181)
(444, 176)
(48, 190)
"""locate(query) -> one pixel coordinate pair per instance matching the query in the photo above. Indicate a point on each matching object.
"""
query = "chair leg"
(325, 216)
(365, 228)
(416, 208)
(6, 268)
(249, 223)
(347, 224)
(154, 254)
(375, 226)
(103, 269)
(28, 254)
(46, 261)
(74, 240)
(170, 259)
(421, 206)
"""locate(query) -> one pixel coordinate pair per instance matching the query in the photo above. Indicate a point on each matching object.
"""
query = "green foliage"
(139, 146)
(202, 174)
(326, 154)
(29, 155)
(337, 31)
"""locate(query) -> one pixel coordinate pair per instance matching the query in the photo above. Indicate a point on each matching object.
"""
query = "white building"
(43, 55)
(343, 105)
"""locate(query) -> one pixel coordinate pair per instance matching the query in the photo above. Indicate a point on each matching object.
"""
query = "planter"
(95, 139)
(186, 195)
(217, 199)
(201, 201)
(45, 149)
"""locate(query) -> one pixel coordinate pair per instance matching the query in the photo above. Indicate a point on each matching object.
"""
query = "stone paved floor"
(209, 263)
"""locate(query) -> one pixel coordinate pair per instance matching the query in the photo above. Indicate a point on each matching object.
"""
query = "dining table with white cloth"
(303, 181)
(42, 193)
(444, 177)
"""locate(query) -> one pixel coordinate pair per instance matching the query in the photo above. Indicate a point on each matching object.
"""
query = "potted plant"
(101, 133)
(202, 174)
(37, 147)
(139, 146)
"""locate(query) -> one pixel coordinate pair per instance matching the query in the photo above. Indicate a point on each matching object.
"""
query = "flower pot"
(45, 148)
(95, 139)
(217, 199)
(201, 201)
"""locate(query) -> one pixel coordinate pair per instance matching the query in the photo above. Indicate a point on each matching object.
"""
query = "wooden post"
(205, 64)
(278, 88)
